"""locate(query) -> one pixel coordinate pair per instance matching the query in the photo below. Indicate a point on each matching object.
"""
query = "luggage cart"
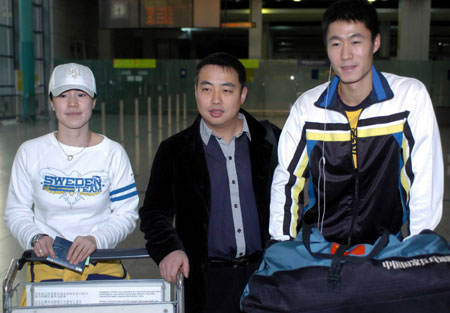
(99, 296)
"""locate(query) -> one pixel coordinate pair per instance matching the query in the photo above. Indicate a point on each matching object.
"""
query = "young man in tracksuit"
(362, 151)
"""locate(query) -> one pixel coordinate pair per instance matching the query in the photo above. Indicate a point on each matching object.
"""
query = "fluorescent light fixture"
(238, 25)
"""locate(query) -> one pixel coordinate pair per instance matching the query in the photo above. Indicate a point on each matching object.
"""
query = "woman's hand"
(44, 247)
(81, 248)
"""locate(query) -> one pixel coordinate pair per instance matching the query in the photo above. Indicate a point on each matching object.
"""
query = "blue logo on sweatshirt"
(86, 186)
(73, 187)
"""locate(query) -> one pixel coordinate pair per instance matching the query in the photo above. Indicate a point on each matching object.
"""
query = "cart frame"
(99, 255)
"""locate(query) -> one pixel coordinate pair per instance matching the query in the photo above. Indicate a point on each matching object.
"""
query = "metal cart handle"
(97, 255)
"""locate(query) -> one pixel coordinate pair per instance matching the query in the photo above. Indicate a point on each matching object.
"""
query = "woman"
(72, 183)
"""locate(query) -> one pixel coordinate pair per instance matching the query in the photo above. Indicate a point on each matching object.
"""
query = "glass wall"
(39, 60)
(6, 53)
(273, 84)
(9, 105)
(10, 75)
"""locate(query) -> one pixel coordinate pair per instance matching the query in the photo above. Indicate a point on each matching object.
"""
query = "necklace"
(70, 156)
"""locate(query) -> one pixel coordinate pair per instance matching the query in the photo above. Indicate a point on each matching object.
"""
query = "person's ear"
(93, 103)
(243, 94)
(376, 43)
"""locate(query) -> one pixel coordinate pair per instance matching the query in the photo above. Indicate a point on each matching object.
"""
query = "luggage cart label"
(59, 295)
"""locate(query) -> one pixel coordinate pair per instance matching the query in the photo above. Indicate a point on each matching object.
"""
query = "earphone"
(322, 163)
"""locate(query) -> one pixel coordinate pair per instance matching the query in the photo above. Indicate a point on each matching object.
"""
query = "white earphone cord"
(322, 162)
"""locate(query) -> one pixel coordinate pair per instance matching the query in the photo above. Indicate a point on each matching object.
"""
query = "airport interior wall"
(273, 85)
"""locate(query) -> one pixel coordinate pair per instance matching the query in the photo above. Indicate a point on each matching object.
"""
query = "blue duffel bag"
(310, 274)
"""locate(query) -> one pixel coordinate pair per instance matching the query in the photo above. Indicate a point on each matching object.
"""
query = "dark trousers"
(224, 287)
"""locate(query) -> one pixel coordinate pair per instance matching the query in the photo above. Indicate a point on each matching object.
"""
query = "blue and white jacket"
(399, 179)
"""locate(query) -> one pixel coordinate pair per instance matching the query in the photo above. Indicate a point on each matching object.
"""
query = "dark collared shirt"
(233, 229)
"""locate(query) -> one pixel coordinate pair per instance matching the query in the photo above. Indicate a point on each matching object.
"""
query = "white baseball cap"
(72, 76)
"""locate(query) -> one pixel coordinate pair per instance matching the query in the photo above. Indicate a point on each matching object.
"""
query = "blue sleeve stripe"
(128, 195)
(133, 185)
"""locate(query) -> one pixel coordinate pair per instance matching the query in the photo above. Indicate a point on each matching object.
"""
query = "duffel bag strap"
(380, 244)
(334, 272)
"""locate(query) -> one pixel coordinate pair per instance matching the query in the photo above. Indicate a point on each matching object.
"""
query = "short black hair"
(351, 11)
(225, 61)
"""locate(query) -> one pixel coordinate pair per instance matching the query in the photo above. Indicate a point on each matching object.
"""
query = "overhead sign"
(250, 63)
(119, 13)
(166, 13)
(238, 25)
(134, 63)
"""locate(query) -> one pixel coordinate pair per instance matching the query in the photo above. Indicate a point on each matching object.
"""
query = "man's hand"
(44, 247)
(172, 264)
(81, 248)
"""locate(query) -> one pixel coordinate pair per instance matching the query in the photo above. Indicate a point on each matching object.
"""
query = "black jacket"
(179, 186)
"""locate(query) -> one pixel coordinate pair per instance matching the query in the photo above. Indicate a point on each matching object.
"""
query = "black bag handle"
(306, 234)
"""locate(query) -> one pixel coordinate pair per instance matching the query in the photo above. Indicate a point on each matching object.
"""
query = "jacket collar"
(381, 91)
(256, 130)
(206, 132)
(196, 163)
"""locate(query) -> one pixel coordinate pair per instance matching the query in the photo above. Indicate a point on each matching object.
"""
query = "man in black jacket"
(215, 178)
